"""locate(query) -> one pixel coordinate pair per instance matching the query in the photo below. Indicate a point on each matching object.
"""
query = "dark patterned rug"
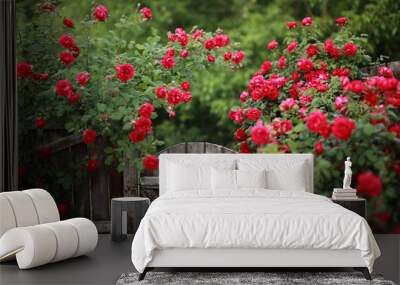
(243, 278)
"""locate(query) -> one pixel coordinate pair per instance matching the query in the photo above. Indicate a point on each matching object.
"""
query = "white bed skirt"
(226, 257)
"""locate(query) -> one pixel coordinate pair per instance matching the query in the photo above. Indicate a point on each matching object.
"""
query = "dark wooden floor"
(103, 266)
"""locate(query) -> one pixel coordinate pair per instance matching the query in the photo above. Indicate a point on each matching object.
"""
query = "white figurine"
(347, 174)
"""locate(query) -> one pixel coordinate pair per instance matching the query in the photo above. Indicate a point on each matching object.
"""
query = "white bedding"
(252, 218)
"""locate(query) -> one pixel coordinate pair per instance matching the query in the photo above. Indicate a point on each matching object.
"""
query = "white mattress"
(253, 219)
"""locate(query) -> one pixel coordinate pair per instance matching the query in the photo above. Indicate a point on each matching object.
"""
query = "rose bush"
(109, 86)
(312, 95)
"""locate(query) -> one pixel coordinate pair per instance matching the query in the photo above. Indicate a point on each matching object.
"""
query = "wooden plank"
(149, 181)
(178, 148)
(63, 143)
(81, 190)
(130, 183)
(195, 147)
(99, 185)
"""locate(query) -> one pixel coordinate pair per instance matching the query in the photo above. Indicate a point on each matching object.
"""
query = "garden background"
(216, 89)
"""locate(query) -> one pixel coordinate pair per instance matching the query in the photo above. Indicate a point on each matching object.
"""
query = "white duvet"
(256, 218)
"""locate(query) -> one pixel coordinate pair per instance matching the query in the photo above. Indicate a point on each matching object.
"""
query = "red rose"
(185, 85)
(73, 98)
(209, 44)
(146, 109)
(63, 87)
(82, 78)
(221, 40)
(89, 136)
(243, 96)
(66, 41)
(24, 69)
(150, 162)
(272, 45)
(259, 133)
(75, 50)
(186, 97)
(227, 56)
(68, 23)
(350, 49)
(125, 72)
(168, 62)
(198, 34)
(307, 21)
(146, 13)
(91, 165)
(287, 104)
(266, 67)
(253, 114)
(291, 24)
(305, 65)
(342, 128)
(240, 135)
(40, 122)
(356, 86)
(342, 21)
(170, 52)
(238, 57)
(292, 46)
(312, 50)
(66, 57)
(136, 136)
(161, 92)
(143, 124)
(210, 58)
(385, 72)
(101, 13)
(271, 92)
(316, 122)
(341, 103)
(282, 62)
(369, 184)
(174, 96)
(184, 53)
(319, 148)
(395, 129)
(244, 148)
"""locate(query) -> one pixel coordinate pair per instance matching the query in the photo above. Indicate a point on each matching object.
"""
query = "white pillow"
(183, 178)
(251, 178)
(281, 174)
(223, 179)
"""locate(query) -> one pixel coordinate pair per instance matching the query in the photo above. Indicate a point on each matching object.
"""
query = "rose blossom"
(66, 57)
(82, 78)
(272, 45)
(319, 148)
(150, 162)
(282, 62)
(243, 96)
(143, 124)
(209, 44)
(292, 46)
(240, 135)
(342, 128)
(316, 121)
(73, 98)
(342, 21)
(186, 97)
(287, 104)
(75, 50)
(185, 85)
(221, 40)
(237, 57)
(369, 184)
(89, 136)
(63, 87)
(341, 103)
(168, 62)
(305, 65)
(146, 109)
(210, 58)
(161, 92)
(253, 114)
(91, 165)
(266, 66)
(40, 122)
(259, 133)
(395, 129)
(68, 23)
(184, 53)
(307, 21)
(385, 72)
(146, 13)
(101, 13)
(356, 86)
(125, 72)
(174, 96)
(24, 69)
(227, 56)
(136, 136)
(291, 24)
(312, 50)
(66, 41)
(350, 49)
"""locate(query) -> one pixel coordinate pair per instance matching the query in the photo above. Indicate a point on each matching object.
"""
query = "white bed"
(280, 225)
